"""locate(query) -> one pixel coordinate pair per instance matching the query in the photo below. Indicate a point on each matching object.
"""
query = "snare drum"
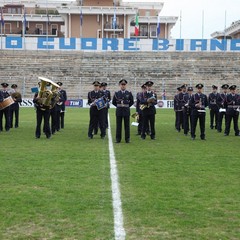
(6, 103)
(100, 103)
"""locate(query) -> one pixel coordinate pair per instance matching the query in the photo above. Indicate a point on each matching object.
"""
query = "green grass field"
(171, 188)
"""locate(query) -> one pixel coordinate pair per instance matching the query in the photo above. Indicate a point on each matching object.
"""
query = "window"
(54, 28)
(153, 31)
(143, 30)
(39, 29)
(7, 28)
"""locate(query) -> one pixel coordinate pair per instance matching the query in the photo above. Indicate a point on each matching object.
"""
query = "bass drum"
(6, 103)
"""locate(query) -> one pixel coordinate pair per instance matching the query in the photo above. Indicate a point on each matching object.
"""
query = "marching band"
(49, 102)
(192, 107)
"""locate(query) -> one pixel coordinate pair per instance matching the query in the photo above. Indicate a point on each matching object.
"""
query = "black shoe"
(102, 137)
(225, 134)
(90, 137)
(37, 137)
(48, 136)
(127, 141)
(16, 126)
(203, 138)
(117, 141)
(143, 137)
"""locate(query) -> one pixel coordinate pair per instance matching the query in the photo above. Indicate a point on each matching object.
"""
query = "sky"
(200, 18)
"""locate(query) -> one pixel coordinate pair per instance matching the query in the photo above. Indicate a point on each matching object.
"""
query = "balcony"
(94, 10)
(109, 27)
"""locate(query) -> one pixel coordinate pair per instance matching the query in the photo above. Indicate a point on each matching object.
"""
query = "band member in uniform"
(214, 109)
(60, 104)
(108, 100)
(54, 119)
(222, 105)
(6, 110)
(149, 100)
(198, 103)
(178, 110)
(123, 100)
(1, 96)
(187, 119)
(181, 99)
(63, 97)
(42, 112)
(14, 108)
(96, 116)
(232, 113)
(138, 109)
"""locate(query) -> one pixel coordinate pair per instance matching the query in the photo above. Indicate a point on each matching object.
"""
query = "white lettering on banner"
(121, 44)
(27, 103)
(74, 103)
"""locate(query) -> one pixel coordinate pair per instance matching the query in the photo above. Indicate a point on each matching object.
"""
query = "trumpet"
(135, 116)
(150, 100)
(143, 106)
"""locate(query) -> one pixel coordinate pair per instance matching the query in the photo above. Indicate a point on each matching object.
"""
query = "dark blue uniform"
(42, 112)
(187, 119)
(222, 103)
(14, 110)
(63, 99)
(96, 116)
(214, 109)
(139, 111)
(122, 100)
(149, 113)
(198, 103)
(232, 113)
(5, 112)
(178, 112)
(107, 95)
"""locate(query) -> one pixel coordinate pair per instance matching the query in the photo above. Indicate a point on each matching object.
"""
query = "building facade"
(85, 19)
(231, 32)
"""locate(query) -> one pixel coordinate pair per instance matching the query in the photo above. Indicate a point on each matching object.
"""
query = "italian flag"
(136, 26)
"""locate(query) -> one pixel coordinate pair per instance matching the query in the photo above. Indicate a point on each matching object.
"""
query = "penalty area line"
(119, 230)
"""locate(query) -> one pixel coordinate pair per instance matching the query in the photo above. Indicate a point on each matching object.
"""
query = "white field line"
(119, 230)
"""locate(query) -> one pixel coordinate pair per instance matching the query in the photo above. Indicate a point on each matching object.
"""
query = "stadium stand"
(77, 70)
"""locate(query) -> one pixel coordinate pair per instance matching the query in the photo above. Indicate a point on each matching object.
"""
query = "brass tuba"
(46, 96)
